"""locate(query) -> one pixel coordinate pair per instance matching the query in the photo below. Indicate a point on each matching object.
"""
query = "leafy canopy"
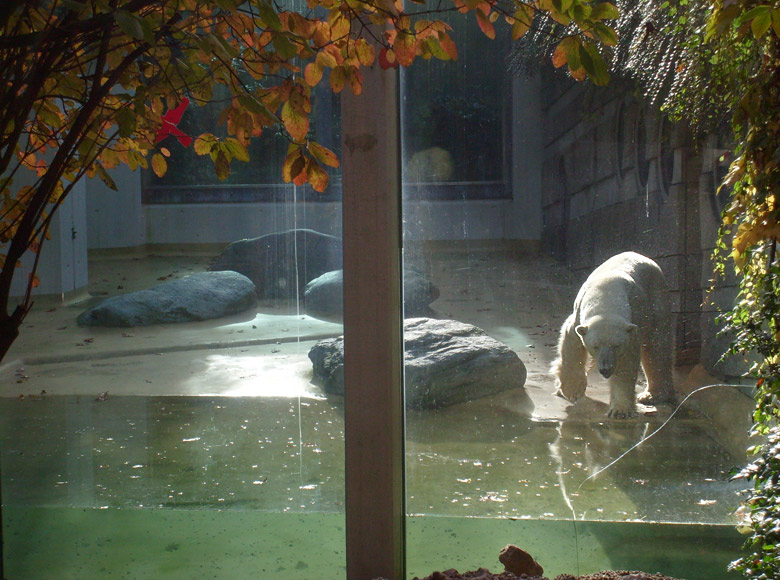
(91, 84)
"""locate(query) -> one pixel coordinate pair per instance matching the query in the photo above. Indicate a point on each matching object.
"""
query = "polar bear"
(621, 317)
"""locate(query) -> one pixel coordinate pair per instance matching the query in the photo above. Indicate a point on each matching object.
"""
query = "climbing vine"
(748, 238)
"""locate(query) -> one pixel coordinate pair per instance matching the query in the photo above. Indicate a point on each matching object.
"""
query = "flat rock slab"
(276, 262)
(201, 296)
(446, 362)
(324, 296)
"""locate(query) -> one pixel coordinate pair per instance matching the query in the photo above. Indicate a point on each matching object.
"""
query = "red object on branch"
(169, 122)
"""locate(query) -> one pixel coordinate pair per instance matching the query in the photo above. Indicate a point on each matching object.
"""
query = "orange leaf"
(559, 56)
(321, 34)
(578, 74)
(303, 175)
(485, 25)
(318, 177)
(312, 73)
(355, 78)
(405, 48)
(293, 164)
(567, 50)
(448, 45)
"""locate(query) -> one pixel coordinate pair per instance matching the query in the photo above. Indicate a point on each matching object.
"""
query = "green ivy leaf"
(594, 65)
(761, 24)
(605, 11)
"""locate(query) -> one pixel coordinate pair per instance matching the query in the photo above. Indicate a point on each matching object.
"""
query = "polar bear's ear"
(630, 328)
(581, 330)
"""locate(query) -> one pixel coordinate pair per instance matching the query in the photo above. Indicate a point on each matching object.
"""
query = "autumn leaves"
(288, 54)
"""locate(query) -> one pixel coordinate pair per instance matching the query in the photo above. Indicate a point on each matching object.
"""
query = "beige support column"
(373, 329)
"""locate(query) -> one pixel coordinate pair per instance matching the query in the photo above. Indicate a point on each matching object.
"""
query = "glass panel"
(181, 436)
(193, 181)
(454, 141)
(494, 457)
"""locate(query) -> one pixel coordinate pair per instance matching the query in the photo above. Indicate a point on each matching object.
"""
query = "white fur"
(621, 318)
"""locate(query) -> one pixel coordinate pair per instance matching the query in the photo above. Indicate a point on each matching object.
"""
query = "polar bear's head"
(606, 338)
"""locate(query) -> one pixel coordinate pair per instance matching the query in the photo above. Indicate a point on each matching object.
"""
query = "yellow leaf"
(338, 78)
(365, 52)
(236, 149)
(296, 123)
(323, 154)
(159, 165)
(327, 57)
(204, 144)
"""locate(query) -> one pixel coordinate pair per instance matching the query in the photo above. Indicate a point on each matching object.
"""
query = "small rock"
(519, 562)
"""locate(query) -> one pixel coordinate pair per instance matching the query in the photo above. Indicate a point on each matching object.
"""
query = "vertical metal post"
(373, 349)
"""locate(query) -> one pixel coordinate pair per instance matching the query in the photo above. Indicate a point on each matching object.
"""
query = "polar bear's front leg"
(570, 366)
(622, 391)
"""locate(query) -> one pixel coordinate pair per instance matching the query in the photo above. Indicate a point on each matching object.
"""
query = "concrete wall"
(115, 218)
(62, 266)
(618, 177)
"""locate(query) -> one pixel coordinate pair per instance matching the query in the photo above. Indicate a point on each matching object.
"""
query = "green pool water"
(60, 543)
(235, 488)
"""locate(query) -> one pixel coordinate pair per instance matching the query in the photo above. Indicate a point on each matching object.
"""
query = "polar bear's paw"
(666, 397)
(570, 380)
(571, 390)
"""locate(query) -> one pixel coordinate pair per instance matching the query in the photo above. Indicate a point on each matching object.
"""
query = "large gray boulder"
(446, 362)
(324, 296)
(274, 262)
(200, 296)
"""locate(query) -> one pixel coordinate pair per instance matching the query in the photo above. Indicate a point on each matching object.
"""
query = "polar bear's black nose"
(606, 372)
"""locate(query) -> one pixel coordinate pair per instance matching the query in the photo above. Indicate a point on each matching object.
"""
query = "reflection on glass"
(516, 464)
(198, 448)
(454, 120)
